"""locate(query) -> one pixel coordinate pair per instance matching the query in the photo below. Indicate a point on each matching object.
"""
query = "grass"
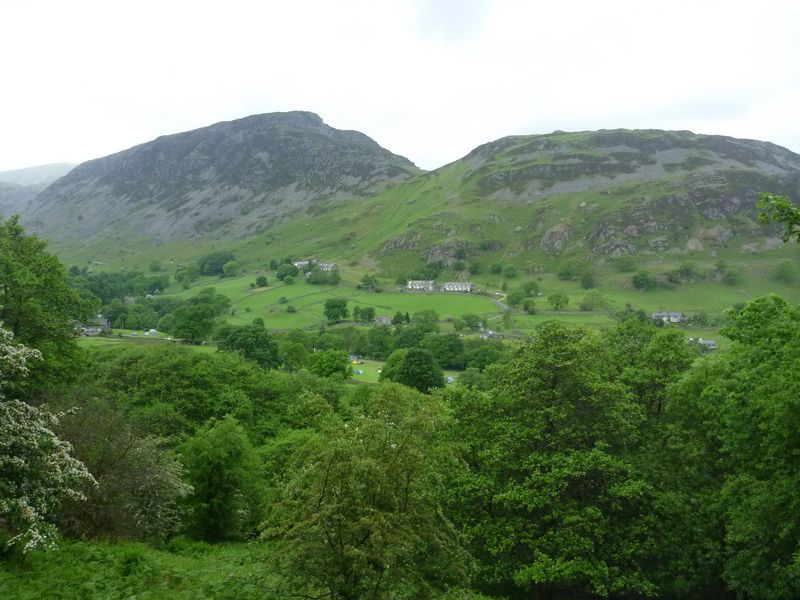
(179, 570)
(309, 302)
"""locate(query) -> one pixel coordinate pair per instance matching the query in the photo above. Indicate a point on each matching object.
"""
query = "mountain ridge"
(338, 195)
(198, 182)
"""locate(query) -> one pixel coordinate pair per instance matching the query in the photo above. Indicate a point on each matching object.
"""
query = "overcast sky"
(428, 79)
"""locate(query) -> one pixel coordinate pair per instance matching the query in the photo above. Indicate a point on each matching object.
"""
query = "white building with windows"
(667, 317)
(457, 286)
(421, 285)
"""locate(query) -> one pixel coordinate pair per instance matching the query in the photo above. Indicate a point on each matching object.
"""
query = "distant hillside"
(613, 192)
(14, 198)
(230, 179)
(534, 201)
(20, 186)
(32, 176)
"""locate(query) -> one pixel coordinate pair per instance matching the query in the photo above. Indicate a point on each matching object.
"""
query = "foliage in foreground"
(356, 514)
(37, 470)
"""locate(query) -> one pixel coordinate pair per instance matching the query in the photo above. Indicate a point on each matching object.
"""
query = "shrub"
(644, 281)
(558, 300)
(570, 269)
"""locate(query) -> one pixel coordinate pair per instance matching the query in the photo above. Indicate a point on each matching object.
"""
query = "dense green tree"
(755, 394)
(482, 356)
(329, 341)
(472, 377)
(214, 263)
(550, 503)
(335, 309)
(286, 270)
(644, 281)
(410, 336)
(261, 281)
(509, 271)
(369, 283)
(357, 516)
(587, 279)
(221, 467)
(558, 300)
(301, 337)
(398, 318)
(294, 355)
(365, 314)
(254, 343)
(656, 365)
(427, 320)
(473, 321)
(187, 275)
(414, 367)
(780, 209)
(731, 277)
(377, 343)
(170, 390)
(571, 269)
(139, 480)
(36, 302)
(332, 364)
(529, 306)
(516, 298)
(447, 348)
(193, 323)
(593, 300)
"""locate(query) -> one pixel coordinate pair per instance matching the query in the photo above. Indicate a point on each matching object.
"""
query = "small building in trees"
(668, 317)
(707, 345)
(488, 334)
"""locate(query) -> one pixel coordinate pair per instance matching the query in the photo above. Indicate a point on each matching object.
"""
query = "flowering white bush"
(36, 469)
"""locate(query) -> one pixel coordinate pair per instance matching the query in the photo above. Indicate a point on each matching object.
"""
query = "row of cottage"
(428, 285)
(307, 264)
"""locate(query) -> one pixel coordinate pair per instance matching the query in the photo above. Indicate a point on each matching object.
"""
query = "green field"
(372, 369)
(309, 301)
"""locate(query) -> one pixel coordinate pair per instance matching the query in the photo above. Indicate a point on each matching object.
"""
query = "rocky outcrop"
(409, 241)
(556, 238)
(450, 251)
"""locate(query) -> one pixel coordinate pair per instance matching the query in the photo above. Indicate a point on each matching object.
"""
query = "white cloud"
(427, 79)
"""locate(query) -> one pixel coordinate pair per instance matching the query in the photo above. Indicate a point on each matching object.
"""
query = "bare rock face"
(227, 179)
(449, 252)
(717, 235)
(556, 238)
(694, 245)
(408, 241)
